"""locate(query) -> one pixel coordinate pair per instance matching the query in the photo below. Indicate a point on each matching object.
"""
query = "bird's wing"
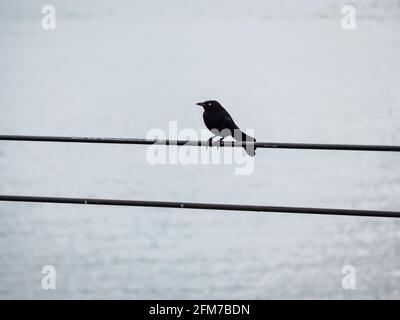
(229, 123)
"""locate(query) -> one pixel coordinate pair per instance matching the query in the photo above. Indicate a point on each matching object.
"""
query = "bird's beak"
(201, 104)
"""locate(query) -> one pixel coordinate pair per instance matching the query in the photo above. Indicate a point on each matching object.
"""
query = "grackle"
(220, 123)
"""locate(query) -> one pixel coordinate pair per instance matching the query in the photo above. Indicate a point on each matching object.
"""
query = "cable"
(190, 143)
(205, 206)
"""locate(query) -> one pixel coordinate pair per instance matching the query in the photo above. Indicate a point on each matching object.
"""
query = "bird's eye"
(209, 104)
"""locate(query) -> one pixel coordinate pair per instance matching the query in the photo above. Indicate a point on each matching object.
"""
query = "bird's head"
(209, 104)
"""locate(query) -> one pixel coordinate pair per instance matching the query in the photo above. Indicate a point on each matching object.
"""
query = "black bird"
(220, 123)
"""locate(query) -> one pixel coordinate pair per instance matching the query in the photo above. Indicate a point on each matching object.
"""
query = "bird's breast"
(210, 121)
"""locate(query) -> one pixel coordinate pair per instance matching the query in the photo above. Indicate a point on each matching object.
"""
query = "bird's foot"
(209, 142)
(219, 142)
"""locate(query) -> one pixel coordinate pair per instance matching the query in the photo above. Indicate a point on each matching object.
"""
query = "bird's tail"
(250, 149)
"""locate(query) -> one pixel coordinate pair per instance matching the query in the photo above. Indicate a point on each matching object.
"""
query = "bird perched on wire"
(221, 124)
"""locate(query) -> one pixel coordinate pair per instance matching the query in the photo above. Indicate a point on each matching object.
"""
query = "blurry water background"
(120, 68)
